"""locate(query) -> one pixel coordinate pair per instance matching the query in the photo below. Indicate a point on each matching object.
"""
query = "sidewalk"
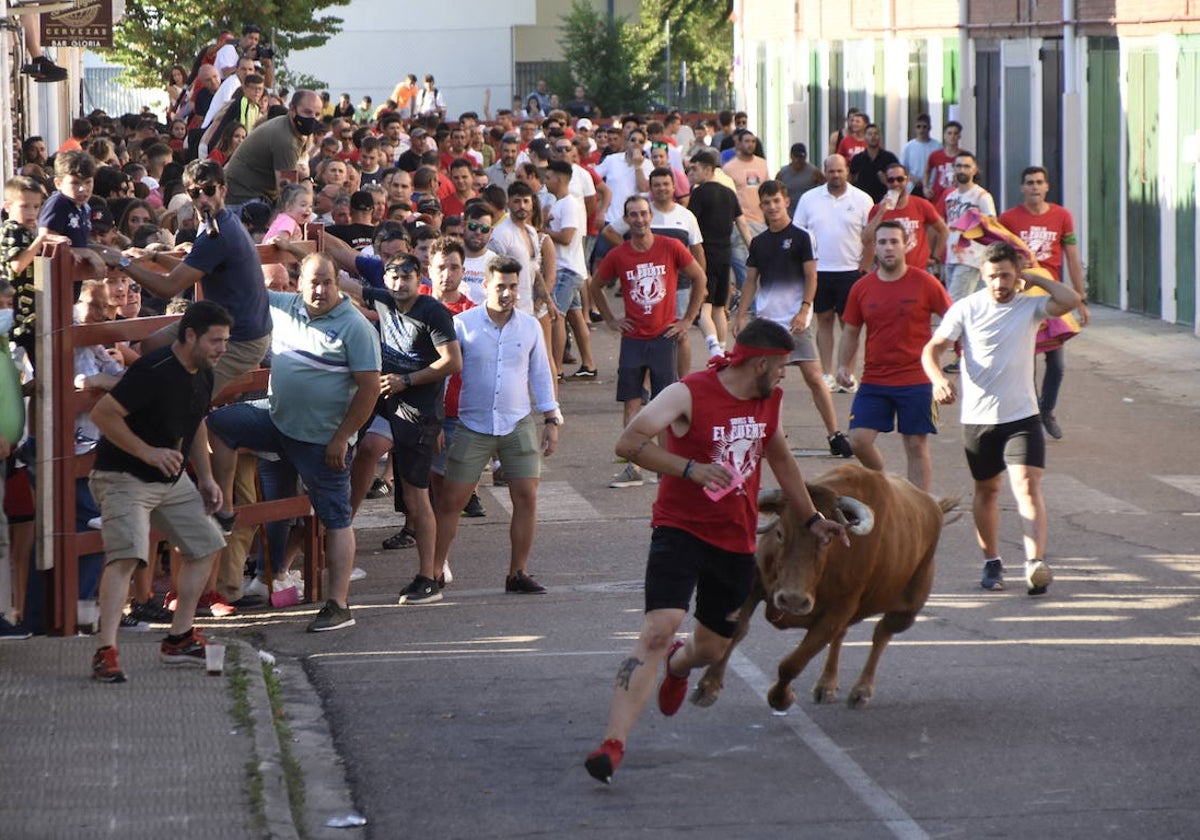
(164, 755)
(160, 756)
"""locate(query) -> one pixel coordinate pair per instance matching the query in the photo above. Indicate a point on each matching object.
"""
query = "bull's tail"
(948, 504)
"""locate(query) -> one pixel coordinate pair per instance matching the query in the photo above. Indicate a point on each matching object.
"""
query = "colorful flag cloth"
(984, 230)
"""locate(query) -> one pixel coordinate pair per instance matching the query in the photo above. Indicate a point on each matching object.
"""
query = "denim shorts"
(247, 426)
(566, 290)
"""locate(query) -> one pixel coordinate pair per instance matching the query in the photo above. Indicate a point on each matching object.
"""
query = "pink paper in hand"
(738, 480)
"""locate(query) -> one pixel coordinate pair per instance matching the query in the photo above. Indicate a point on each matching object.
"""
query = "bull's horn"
(858, 513)
(770, 501)
(768, 525)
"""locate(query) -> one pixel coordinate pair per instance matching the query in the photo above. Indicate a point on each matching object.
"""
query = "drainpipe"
(1073, 172)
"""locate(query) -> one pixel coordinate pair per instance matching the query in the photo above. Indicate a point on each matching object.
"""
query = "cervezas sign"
(87, 23)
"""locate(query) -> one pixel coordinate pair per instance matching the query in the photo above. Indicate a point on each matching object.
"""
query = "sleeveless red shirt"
(728, 430)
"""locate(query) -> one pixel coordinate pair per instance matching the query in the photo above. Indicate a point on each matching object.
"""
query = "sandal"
(404, 538)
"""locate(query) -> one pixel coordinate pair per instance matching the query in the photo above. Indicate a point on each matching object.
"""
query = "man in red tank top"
(719, 425)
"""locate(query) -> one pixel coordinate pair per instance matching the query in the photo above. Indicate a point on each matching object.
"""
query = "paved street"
(1069, 716)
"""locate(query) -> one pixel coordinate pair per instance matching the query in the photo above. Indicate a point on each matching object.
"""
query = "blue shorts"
(639, 356)
(243, 425)
(438, 464)
(566, 290)
(883, 407)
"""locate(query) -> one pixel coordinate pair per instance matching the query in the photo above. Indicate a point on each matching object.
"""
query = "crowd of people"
(463, 265)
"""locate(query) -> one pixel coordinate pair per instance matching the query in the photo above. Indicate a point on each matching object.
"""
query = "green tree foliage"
(156, 34)
(606, 57)
(623, 63)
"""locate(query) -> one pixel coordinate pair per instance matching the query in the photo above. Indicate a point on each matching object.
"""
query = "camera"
(265, 51)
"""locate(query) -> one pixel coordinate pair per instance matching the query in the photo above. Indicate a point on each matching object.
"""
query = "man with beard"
(477, 233)
(1002, 428)
(517, 238)
(895, 303)
(703, 541)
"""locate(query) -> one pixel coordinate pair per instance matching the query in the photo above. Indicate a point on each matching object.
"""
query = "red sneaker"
(188, 651)
(105, 667)
(673, 689)
(602, 762)
(216, 605)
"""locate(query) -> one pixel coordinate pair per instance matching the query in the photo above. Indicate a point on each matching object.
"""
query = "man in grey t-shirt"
(799, 176)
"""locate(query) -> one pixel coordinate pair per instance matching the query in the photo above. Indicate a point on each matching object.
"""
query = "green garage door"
(1186, 263)
(1144, 264)
(1104, 171)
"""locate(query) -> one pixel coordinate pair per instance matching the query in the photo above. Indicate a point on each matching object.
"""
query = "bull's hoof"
(824, 694)
(780, 697)
(860, 697)
(704, 695)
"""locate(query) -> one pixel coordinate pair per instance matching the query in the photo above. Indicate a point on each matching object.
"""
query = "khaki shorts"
(519, 452)
(130, 506)
(240, 357)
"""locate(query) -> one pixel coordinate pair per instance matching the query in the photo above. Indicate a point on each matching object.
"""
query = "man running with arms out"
(717, 421)
(1001, 427)
(894, 303)
(782, 272)
(647, 266)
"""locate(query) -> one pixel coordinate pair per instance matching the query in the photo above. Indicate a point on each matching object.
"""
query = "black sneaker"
(225, 520)
(128, 622)
(953, 367)
(584, 373)
(42, 69)
(993, 576)
(379, 489)
(1050, 423)
(10, 632)
(331, 617)
(151, 612)
(839, 446)
(523, 584)
(474, 507)
(187, 651)
(422, 590)
(594, 316)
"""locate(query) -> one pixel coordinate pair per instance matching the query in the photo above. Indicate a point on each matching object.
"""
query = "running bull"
(888, 569)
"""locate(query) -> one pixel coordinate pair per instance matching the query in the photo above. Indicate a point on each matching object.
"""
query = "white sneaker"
(295, 579)
(447, 575)
(357, 574)
(631, 476)
(830, 382)
(255, 589)
(1038, 577)
(847, 389)
(95, 523)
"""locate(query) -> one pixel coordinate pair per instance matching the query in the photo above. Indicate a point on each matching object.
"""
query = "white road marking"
(1067, 495)
(835, 758)
(558, 501)
(1186, 483)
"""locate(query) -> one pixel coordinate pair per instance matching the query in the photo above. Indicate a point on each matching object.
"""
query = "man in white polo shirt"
(835, 214)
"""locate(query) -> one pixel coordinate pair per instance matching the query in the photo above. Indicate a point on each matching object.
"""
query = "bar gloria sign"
(86, 23)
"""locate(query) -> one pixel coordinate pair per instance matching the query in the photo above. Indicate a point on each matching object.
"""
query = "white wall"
(467, 46)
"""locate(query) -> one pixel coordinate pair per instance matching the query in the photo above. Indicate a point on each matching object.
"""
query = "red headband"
(741, 353)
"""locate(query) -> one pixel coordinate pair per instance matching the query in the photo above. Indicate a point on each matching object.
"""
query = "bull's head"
(790, 559)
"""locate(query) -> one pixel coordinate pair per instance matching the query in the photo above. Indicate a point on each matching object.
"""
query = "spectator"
(295, 211)
(271, 154)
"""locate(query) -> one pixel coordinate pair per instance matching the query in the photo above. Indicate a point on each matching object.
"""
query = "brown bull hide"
(888, 570)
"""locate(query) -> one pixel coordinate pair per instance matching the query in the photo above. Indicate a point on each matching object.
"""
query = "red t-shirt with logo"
(897, 317)
(915, 215)
(1045, 234)
(941, 173)
(725, 430)
(648, 282)
(849, 146)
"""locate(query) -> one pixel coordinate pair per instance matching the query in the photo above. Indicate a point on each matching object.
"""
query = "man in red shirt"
(939, 174)
(895, 303)
(915, 214)
(719, 424)
(647, 267)
(1049, 231)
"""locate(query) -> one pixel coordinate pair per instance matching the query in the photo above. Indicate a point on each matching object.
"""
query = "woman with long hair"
(231, 137)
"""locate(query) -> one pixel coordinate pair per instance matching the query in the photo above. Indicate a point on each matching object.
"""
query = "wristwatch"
(554, 421)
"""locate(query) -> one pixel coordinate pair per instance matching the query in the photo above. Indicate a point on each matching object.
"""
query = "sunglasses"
(408, 265)
(208, 189)
(898, 179)
(478, 227)
(657, 145)
(563, 148)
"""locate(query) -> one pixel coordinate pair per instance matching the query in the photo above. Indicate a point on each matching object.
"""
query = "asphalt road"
(997, 715)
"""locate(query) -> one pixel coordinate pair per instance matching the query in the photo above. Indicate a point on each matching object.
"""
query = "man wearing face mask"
(272, 154)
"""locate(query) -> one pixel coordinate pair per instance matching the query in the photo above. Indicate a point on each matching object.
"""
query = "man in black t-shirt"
(359, 232)
(420, 351)
(717, 211)
(151, 427)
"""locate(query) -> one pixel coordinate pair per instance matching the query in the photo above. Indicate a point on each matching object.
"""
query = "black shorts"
(833, 290)
(990, 448)
(642, 355)
(681, 563)
(412, 448)
(717, 272)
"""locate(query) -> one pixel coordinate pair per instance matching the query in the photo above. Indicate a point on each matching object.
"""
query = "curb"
(277, 810)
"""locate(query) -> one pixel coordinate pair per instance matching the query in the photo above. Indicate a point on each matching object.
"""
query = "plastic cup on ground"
(214, 659)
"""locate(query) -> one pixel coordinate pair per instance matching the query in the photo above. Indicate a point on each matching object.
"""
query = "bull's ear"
(770, 501)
